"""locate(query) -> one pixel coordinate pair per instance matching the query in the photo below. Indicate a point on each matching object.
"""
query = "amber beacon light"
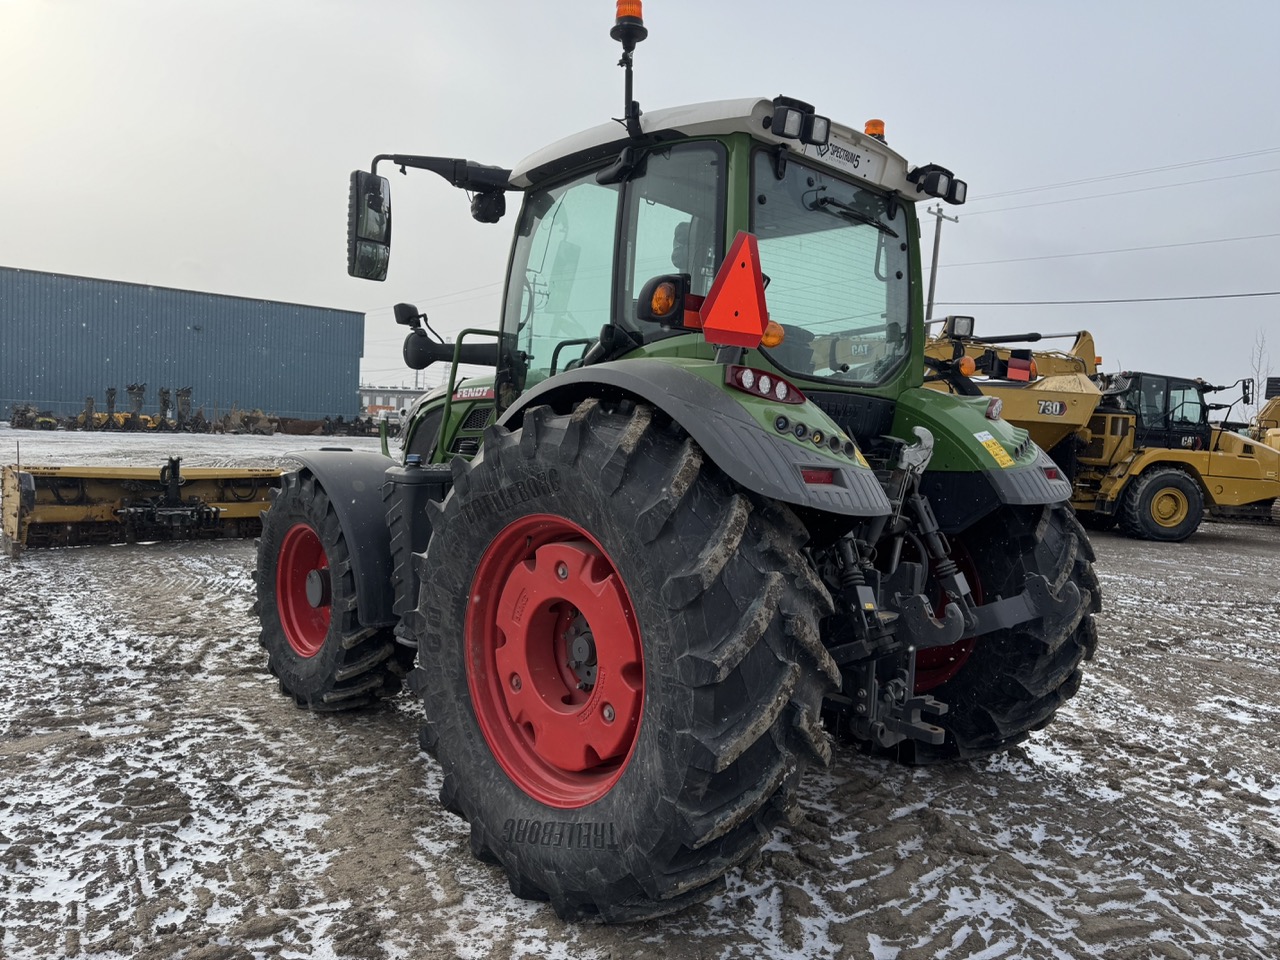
(628, 26)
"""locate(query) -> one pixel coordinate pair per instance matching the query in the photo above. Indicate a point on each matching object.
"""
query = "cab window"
(561, 281)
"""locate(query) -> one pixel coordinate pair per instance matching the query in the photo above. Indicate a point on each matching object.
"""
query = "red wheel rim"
(305, 626)
(544, 596)
(936, 665)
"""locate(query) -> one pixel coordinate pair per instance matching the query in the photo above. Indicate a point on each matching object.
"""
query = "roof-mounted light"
(875, 130)
(796, 120)
(937, 181)
(628, 26)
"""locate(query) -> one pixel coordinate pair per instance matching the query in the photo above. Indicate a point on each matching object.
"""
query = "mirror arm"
(460, 173)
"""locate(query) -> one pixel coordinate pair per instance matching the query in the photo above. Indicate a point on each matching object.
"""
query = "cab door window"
(561, 284)
(674, 221)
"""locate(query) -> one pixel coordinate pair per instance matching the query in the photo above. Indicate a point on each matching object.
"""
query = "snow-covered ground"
(159, 799)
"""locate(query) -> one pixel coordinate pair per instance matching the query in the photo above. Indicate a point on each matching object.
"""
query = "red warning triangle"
(734, 312)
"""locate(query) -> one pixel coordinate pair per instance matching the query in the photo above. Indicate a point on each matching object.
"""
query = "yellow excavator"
(45, 506)
(1138, 447)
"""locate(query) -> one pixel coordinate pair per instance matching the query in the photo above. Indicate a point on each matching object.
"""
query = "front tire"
(1163, 504)
(306, 604)
(619, 661)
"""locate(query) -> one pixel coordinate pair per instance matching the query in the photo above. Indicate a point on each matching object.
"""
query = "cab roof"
(847, 152)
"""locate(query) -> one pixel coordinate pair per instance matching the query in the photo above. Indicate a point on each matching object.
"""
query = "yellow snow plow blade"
(64, 506)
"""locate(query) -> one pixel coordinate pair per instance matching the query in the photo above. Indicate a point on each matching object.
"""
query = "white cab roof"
(848, 152)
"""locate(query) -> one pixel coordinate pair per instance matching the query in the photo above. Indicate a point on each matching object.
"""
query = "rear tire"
(626, 788)
(306, 604)
(1163, 504)
(1013, 681)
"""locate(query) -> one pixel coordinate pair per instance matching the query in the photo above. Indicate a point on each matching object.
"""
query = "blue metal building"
(63, 338)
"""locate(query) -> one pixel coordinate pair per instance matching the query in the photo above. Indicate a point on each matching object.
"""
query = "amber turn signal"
(967, 366)
(773, 334)
(663, 302)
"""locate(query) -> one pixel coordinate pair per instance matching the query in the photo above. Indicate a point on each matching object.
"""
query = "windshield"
(836, 258)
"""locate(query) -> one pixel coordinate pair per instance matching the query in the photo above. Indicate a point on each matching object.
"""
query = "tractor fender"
(353, 482)
(978, 464)
(752, 456)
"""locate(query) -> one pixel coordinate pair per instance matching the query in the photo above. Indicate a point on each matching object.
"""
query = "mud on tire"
(705, 634)
(1014, 680)
(321, 655)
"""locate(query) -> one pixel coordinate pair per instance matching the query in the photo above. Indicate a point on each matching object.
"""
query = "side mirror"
(368, 226)
(1248, 391)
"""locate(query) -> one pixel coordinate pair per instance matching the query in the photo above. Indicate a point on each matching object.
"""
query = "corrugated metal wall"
(63, 338)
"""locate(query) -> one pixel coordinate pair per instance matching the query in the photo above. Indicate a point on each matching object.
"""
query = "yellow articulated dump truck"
(44, 506)
(1138, 447)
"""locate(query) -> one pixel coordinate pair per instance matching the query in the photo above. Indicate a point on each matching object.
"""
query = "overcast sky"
(1114, 150)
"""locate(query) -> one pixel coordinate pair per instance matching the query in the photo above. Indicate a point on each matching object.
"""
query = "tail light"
(760, 383)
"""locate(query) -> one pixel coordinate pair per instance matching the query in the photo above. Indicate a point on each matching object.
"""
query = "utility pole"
(933, 269)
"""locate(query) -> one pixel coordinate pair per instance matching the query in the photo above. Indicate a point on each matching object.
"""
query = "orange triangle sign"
(734, 312)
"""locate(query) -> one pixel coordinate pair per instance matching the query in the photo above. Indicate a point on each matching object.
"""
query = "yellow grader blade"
(64, 506)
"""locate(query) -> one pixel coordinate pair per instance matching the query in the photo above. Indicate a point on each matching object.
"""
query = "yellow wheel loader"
(1138, 447)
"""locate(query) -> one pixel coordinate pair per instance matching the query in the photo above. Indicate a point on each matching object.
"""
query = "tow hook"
(888, 712)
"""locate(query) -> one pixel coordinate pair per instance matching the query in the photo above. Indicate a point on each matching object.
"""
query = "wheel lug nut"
(516, 683)
(607, 712)
(562, 571)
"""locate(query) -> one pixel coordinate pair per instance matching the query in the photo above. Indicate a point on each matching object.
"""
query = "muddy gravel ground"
(159, 799)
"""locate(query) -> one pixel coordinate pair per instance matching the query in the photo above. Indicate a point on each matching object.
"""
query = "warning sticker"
(995, 448)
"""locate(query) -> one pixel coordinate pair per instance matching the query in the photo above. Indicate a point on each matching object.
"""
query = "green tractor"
(641, 574)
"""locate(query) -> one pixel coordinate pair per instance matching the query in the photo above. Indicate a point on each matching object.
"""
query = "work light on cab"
(937, 181)
(796, 120)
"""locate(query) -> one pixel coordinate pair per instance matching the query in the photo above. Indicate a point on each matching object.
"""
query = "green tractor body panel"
(964, 438)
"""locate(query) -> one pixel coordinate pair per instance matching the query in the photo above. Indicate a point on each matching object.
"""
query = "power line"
(1097, 253)
(1043, 303)
(443, 296)
(1130, 173)
(1121, 193)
